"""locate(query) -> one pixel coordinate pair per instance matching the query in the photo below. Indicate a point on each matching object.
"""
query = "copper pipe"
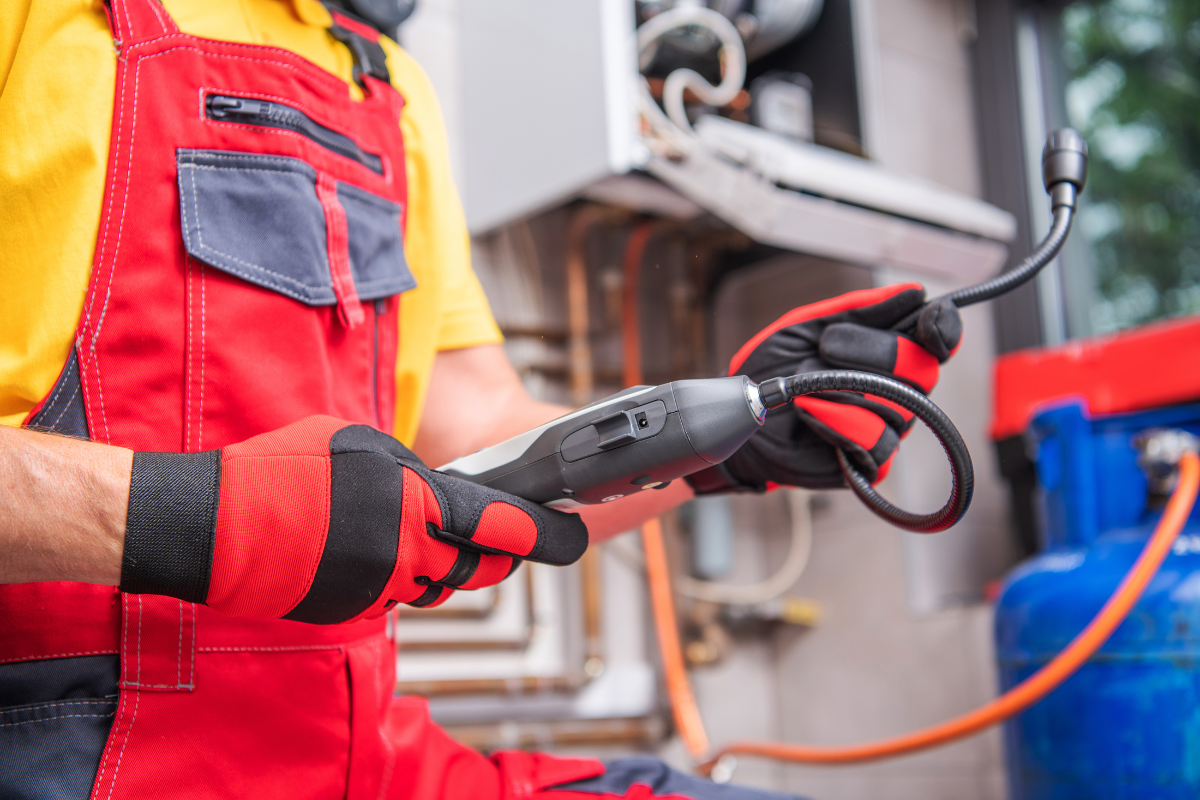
(579, 349)
(527, 684)
(631, 328)
(563, 733)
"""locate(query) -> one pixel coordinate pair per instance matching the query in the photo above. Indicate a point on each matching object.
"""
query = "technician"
(232, 255)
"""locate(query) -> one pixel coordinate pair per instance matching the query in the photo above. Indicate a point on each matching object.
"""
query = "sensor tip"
(1064, 159)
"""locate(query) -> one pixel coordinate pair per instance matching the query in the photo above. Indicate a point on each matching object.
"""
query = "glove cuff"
(171, 524)
(718, 479)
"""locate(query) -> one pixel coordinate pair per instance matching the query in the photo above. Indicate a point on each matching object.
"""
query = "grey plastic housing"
(642, 438)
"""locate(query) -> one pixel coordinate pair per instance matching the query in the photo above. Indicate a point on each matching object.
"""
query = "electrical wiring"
(674, 124)
(1033, 688)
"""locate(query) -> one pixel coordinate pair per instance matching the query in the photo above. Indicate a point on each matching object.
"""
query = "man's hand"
(324, 521)
(797, 444)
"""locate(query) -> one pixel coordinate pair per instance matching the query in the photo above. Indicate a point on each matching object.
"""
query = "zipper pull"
(219, 106)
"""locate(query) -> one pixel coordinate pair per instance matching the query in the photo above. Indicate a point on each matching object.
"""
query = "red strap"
(365, 31)
(338, 243)
(136, 20)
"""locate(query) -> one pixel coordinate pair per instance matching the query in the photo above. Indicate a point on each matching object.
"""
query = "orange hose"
(658, 574)
(679, 688)
(1036, 686)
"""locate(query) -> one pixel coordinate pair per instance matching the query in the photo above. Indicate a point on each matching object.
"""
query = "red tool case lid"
(1146, 367)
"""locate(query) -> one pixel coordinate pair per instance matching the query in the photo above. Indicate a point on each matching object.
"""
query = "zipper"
(269, 114)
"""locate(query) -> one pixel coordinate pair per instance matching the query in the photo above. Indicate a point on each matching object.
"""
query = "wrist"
(171, 524)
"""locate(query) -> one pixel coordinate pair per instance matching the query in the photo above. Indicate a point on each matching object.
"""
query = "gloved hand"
(796, 446)
(325, 521)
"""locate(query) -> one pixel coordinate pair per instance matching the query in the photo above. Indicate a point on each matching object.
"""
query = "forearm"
(63, 513)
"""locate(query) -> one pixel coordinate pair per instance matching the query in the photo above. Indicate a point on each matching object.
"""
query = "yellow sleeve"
(53, 56)
(436, 235)
(448, 309)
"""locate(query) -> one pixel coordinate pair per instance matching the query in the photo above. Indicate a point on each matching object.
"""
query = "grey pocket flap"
(258, 217)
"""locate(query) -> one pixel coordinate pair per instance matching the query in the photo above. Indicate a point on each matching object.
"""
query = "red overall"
(245, 276)
(174, 354)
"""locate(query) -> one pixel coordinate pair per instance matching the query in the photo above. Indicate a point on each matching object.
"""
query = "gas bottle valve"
(1159, 453)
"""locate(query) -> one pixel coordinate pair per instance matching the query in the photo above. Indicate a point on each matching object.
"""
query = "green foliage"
(1134, 92)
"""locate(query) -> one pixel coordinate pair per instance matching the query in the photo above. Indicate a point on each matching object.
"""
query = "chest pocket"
(299, 312)
(259, 217)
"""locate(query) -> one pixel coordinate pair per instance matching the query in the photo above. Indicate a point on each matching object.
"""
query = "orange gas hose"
(683, 703)
(1036, 686)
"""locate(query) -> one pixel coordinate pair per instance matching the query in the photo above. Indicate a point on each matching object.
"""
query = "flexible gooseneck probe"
(1064, 172)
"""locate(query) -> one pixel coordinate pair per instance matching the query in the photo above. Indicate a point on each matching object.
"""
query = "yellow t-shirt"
(57, 76)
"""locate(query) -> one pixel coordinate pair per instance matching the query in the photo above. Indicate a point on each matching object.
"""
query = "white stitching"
(203, 323)
(284, 648)
(100, 392)
(192, 664)
(124, 696)
(201, 245)
(61, 655)
(56, 703)
(167, 29)
(139, 642)
(74, 392)
(52, 719)
(179, 651)
(191, 334)
(137, 697)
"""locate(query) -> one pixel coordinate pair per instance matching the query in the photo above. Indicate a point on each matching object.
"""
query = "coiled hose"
(780, 391)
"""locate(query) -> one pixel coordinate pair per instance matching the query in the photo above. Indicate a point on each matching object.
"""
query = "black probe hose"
(780, 391)
(1064, 172)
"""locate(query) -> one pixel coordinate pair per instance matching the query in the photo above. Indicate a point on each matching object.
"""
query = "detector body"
(639, 439)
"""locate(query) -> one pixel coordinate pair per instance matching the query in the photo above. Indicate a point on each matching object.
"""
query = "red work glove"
(797, 444)
(325, 521)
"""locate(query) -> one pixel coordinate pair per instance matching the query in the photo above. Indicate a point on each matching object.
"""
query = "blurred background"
(869, 142)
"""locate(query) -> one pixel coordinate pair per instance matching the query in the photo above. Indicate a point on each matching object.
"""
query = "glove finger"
(865, 437)
(485, 520)
(939, 328)
(883, 352)
(791, 339)
(898, 418)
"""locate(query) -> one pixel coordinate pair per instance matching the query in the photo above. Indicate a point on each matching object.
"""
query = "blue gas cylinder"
(1127, 724)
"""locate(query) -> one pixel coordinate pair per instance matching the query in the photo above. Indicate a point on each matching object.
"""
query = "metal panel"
(823, 227)
(546, 101)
